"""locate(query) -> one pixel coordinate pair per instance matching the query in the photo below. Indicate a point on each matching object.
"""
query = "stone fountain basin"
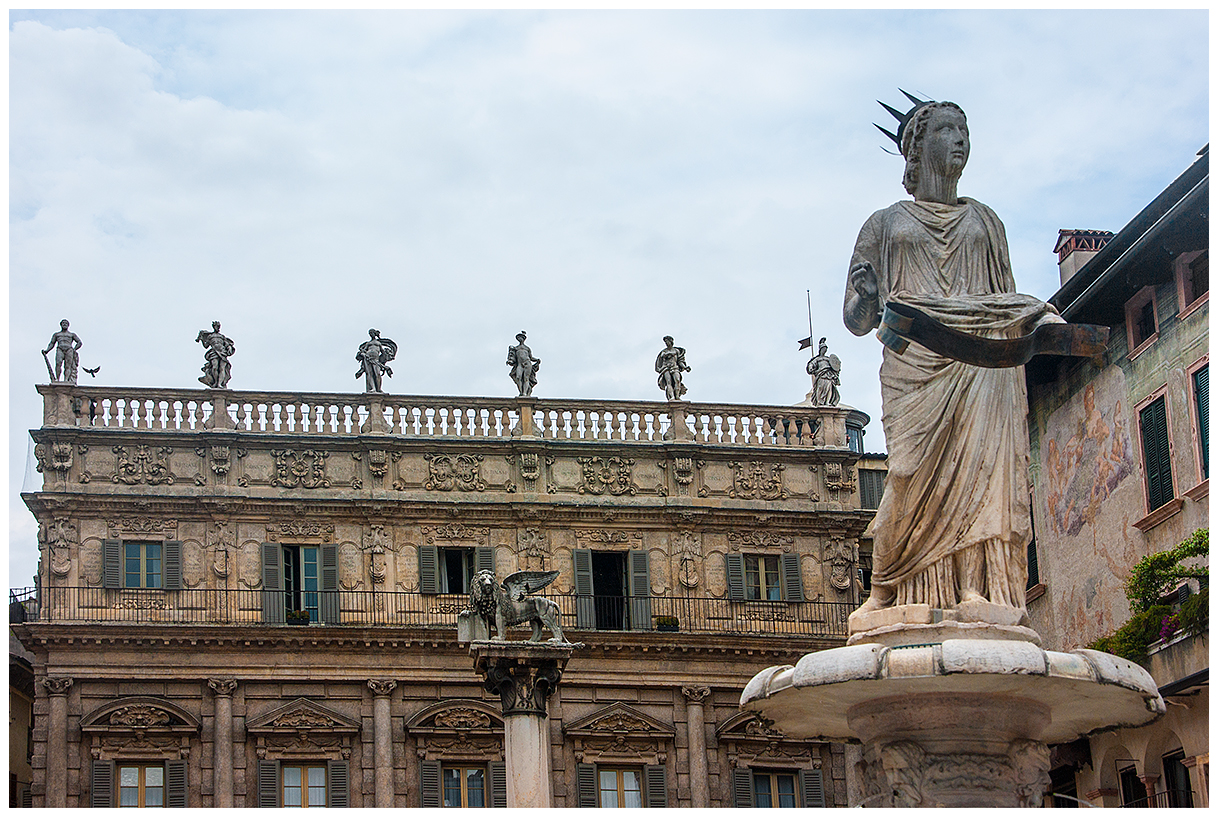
(1083, 691)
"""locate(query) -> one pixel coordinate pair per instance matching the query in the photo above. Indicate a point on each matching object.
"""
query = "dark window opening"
(1132, 788)
(1062, 783)
(456, 570)
(855, 439)
(1199, 278)
(774, 789)
(609, 589)
(1145, 327)
(1176, 781)
(300, 580)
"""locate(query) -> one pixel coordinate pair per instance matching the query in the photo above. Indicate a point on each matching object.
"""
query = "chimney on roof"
(1075, 248)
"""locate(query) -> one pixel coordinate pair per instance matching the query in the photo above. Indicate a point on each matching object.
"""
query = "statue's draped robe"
(956, 434)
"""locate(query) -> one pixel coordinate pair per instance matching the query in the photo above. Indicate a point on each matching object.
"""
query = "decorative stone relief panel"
(607, 475)
(686, 552)
(144, 465)
(532, 548)
(140, 727)
(754, 741)
(192, 564)
(91, 562)
(303, 469)
(223, 546)
(351, 567)
(53, 457)
(303, 729)
(840, 555)
(591, 537)
(130, 528)
(757, 481)
(839, 477)
(454, 472)
(457, 730)
(619, 734)
(300, 531)
(456, 532)
(249, 564)
(754, 540)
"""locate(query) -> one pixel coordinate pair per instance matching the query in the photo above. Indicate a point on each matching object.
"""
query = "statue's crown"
(903, 119)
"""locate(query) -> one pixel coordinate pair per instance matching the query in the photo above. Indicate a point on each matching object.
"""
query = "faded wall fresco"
(1086, 456)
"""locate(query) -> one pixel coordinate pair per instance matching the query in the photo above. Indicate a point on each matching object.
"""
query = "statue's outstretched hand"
(863, 278)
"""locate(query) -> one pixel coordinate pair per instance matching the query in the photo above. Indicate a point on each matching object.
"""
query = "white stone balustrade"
(133, 408)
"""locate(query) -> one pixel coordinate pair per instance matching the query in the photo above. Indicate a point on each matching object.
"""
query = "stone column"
(1149, 784)
(525, 675)
(383, 748)
(57, 742)
(222, 742)
(696, 740)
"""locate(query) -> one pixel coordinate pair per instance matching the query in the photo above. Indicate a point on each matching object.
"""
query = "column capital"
(524, 674)
(57, 685)
(223, 687)
(382, 687)
(695, 695)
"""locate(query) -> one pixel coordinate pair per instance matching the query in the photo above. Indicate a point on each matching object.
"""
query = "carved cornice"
(455, 532)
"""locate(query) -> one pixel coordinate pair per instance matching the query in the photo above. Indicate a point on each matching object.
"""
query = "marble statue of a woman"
(953, 523)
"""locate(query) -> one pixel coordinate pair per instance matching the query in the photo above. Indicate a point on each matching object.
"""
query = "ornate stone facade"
(213, 681)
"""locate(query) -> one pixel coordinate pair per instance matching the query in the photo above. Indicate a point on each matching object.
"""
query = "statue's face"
(63, 324)
(946, 142)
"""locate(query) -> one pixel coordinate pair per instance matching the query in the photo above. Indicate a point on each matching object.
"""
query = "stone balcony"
(123, 441)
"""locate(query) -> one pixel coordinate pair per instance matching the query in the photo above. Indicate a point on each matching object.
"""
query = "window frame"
(1200, 446)
(773, 778)
(141, 785)
(762, 575)
(463, 769)
(618, 770)
(302, 594)
(1182, 268)
(305, 786)
(875, 481)
(144, 560)
(1159, 394)
(1133, 308)
(469, 567)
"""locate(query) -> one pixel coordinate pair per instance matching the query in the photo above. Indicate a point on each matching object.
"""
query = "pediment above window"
(754, 741)
(303, 729)
(461, 729)
(620, 734)
(140, 727)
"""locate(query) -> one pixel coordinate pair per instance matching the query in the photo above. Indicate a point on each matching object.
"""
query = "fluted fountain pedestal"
(957, 723)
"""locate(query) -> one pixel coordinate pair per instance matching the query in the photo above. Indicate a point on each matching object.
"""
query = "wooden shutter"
(1202, 396)
(175, 784)
(498, 773)
(810, 788)
(268, 784)
(336, 785)
(328, 610)
(112, 564)
(484, 559)
(736, 576)
(742, 788)
(655, 787)
(101, 785)
(793, 585)
(172, 578)
(1157, 460)
(272, 583)
(586, 785)
(1033, 576)
(586, 611)
(27, 798)
(639, 587)
(429, 784)
(429, 569)
(871, 487)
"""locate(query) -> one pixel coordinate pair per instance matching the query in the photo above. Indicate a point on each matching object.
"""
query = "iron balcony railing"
(206, 606)
(1165, 800)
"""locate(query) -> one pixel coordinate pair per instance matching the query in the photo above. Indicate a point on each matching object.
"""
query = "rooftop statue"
(218, 348)
(523, 367)
(509, 604)
(65, 343)
(374, 356)
(825, 369)
(953, 523)
(670, 363)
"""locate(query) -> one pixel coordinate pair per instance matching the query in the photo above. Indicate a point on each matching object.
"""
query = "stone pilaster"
(383, 751)
(57, 741)
(222, 764)
(525, 675)
(697, 743)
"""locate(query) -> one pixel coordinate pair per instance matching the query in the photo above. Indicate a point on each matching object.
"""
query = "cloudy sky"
(597, 179)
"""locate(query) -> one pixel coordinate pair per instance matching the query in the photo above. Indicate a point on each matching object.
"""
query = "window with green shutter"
(1202, 402)
(1157, 457)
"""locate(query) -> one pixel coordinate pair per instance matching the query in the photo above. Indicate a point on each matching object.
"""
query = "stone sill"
(1161, 514)
(1141, 348)
(1152, 650)
(1199, 491)
(1036, 592)
(1191, 308)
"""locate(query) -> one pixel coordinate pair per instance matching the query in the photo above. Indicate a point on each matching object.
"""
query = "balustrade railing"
(249, 607)
(451, 417)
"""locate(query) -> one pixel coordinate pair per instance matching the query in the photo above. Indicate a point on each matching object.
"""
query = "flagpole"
(808, 294)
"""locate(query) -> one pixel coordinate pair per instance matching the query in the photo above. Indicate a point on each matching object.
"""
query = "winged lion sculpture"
(508, 604)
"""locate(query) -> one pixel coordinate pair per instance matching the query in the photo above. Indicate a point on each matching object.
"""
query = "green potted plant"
(298, 617)
(666, 623)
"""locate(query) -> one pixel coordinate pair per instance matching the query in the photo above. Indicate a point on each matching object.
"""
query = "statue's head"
(520, 336)
(215, 326)
(935, 140)
(482, 584)
(668, 339)
(823, 346)
(63, 324)
(373, 333)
